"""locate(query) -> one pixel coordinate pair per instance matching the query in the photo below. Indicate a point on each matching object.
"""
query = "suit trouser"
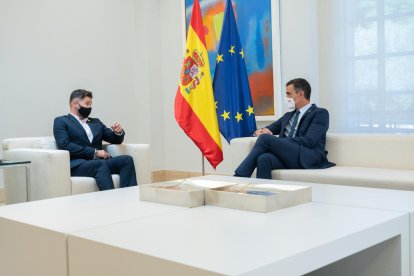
(102, 170)
(270, 153)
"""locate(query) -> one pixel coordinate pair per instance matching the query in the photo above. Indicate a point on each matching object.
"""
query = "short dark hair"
(80, 94)
(301, 85)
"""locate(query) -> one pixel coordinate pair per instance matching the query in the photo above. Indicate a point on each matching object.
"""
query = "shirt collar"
(79, 119)
(305, 108)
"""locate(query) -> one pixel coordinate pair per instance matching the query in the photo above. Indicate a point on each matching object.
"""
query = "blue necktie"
(290, 128)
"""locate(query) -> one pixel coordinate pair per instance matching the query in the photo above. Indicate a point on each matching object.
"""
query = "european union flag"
(234, 104)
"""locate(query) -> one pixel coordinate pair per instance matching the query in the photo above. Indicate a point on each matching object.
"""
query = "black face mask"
(84, 111)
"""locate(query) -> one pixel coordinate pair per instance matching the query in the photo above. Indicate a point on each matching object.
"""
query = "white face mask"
(290, 103)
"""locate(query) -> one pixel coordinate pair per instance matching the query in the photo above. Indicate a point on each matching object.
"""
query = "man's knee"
(265, 139)
(262, 138)
(102, 165)
(127, 160)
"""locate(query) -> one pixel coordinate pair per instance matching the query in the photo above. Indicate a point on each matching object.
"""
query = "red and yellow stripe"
(195, 110)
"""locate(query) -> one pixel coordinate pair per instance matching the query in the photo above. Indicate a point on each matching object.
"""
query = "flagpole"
(203, 173)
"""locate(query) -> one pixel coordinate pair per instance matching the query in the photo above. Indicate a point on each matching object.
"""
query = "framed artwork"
(258, 26)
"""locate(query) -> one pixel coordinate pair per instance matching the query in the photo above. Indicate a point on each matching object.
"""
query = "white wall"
(129, 54)
(332, 27)
(49, 48)
(299, 44)
(148, 79)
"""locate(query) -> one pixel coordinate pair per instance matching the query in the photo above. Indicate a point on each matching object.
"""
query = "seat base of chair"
(82, 185)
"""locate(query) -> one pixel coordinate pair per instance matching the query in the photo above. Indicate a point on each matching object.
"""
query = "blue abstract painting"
(254, 22)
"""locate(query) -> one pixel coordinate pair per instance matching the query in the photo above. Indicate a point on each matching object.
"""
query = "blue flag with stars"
(231, 88)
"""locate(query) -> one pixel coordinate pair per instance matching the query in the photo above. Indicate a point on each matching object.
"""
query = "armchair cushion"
(82, 185)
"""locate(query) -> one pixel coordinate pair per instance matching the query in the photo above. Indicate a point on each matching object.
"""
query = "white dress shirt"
(85, 126)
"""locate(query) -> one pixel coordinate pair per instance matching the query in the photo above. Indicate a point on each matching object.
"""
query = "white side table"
(14, 164)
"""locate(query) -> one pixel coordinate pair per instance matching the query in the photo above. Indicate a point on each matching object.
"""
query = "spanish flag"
(195, 109)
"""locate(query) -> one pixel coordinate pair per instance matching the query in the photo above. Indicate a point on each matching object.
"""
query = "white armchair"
(50, 169)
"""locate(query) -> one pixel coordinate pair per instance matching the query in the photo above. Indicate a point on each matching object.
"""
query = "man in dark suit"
(82, 136)
(301, 141)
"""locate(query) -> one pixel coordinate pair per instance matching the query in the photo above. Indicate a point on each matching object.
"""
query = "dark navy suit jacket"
(310, 135)
(71, 136)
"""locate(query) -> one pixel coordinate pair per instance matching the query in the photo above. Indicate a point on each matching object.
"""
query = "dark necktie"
(290, 128)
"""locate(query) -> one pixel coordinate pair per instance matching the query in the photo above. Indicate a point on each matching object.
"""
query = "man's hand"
(261, 131)
(102, 154)
(116, 127)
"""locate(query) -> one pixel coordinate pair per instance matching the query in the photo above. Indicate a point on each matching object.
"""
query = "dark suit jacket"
(70, 135)
(310, 135)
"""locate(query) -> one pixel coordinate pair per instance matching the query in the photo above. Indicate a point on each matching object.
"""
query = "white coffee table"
(217, 241)
(384, 199)
(33, 235)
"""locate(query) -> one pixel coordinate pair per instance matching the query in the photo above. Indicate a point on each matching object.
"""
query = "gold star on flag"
(239, 116)
(242, 53)
(250, 110)
(215, 103)
(225, 115)
(232, 50)
(219, 58)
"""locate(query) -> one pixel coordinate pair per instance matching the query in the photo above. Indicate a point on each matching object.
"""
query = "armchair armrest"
(49, 174)
(141, 155)
(239, 149)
